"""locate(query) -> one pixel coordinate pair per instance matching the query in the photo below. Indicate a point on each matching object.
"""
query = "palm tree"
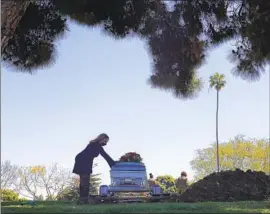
(218, 82)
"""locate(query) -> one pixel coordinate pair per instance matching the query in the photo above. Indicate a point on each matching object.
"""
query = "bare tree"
(32, 181)
(55, 180)
(29, 181)
(9, 175)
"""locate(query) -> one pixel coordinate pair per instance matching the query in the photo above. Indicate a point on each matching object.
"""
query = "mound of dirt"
(229, 186)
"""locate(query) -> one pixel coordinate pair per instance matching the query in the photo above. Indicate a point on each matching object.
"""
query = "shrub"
(167, 183)
(9, 195)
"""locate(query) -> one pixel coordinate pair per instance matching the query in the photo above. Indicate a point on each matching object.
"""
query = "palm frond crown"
(217, 81)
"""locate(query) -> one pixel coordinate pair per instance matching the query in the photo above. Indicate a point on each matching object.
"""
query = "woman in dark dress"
(84, 163)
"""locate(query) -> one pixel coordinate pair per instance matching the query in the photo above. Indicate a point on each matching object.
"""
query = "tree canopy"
(240, 152)
(167, 183)
(54, 181)
(179, 35)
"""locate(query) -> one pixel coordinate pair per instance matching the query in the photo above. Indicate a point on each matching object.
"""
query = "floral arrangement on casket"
(131, 157)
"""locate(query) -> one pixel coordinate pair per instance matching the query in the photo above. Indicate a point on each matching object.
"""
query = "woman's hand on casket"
(113, 163)
(109, 160)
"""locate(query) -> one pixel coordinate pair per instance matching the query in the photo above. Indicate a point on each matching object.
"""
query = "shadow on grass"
(208, 207)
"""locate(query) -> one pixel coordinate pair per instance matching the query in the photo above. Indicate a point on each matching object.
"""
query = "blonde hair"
(99, 138)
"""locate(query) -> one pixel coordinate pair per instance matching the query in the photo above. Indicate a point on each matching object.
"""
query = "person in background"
(151, 180)
(84, 163)
(182, 183)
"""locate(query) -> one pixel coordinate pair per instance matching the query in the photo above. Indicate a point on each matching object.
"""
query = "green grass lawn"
(209, 207)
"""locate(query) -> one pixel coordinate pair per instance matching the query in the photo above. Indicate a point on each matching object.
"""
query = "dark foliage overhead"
(176, 54)
(253, 44)
(178, 38)
(118, 17)
(32, 45)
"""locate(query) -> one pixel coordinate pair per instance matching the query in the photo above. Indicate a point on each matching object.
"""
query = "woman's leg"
(84, 187)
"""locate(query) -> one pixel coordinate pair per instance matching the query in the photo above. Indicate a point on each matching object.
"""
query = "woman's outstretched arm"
(109, 160)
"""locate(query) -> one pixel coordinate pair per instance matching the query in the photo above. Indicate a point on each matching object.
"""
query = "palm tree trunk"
(218, 166)
(11, 13)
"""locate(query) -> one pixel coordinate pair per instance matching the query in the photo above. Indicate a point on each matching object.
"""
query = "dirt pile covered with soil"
(229, 186)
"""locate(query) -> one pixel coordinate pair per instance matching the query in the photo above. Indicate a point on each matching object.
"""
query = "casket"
(128, 177)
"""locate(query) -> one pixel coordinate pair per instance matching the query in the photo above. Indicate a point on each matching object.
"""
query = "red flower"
(131, 157)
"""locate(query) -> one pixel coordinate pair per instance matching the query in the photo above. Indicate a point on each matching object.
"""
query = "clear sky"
(99, 85)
